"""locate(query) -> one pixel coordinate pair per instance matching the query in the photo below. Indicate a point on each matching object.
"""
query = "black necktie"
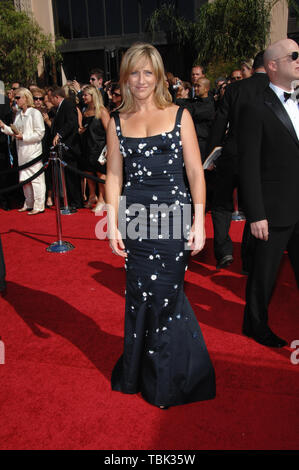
(287, 96)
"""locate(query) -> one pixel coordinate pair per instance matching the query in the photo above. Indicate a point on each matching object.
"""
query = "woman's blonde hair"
(38, 91)
(129, 61)
(96, 98)
(28, 95)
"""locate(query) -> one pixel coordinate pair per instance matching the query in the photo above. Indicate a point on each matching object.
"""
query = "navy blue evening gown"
(165, 356)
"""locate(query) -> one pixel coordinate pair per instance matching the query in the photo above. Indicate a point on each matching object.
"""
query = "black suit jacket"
(228, 112)
(6, 117)
(65, 123)
(269, 162)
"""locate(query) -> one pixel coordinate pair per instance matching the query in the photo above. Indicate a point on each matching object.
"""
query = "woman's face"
(10, 95)
(246, 72)
(116, 97)
(38, 100)
(183, 93)
(142, 80)
(48, 103)
(20, 99)
(87, 98)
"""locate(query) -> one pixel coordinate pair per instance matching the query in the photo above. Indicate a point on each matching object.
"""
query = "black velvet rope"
(22, 167)
(82, 173)
(22, 183)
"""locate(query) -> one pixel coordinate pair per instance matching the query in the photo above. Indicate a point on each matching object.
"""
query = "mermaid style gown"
(165, 356)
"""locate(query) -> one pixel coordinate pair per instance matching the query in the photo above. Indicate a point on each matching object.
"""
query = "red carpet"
(62, 326)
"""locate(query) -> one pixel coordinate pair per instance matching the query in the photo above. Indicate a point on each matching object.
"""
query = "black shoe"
(3, 292)
(270, 340)
(225, 261)
(5, 206)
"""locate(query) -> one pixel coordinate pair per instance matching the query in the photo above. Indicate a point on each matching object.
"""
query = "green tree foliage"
(22, 44)
(224, 31)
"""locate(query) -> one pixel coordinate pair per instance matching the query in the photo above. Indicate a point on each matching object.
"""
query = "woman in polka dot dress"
(153, 169)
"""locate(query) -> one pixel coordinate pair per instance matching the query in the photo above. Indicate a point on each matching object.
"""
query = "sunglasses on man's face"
(293, 56)
(38, 98)
(93, 79)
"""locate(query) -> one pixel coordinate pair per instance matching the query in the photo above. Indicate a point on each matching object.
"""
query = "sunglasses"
(116, 94)
(14, 88)
(236, 78)
(40, 98)
(293, 56)
(93, 79)
(18, 97)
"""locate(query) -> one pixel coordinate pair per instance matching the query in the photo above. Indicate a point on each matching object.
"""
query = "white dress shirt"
(31, 126)
(291, 106)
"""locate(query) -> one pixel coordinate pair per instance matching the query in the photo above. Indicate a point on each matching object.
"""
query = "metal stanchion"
(59, 246)
(237, 216)
(66, 209)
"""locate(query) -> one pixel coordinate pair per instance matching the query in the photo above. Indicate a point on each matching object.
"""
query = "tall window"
(114, 17)
(96, 18)
(131, 16)
(62, 18)
(79, 18)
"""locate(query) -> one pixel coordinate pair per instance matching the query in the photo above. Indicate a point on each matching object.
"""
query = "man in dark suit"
(202, 111)
(224, 133)
(65, 129)
(269, 168)
(5, 116)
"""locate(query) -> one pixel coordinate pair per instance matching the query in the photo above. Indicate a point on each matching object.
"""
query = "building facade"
(98, 31)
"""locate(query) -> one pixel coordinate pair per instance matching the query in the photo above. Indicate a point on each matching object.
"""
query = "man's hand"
(56, 140)
(260, 229)
(76, 85)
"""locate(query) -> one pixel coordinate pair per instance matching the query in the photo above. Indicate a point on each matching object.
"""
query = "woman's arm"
(113, 188)
(105, 118)
(195, 175)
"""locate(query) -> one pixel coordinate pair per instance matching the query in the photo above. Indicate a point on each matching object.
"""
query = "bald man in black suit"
(269, 171)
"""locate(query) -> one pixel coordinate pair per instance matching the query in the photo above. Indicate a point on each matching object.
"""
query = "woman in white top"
(31, 129)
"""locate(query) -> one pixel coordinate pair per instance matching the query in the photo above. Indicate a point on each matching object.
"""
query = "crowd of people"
(252, 115)
(78, 114)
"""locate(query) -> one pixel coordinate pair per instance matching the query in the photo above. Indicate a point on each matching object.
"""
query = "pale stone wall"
(279, 21)
(43, 13)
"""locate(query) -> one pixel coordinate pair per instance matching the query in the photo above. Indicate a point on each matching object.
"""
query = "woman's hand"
(19, 136)
(2, 124)
(81, 130)
(117, 245)
(197, 238)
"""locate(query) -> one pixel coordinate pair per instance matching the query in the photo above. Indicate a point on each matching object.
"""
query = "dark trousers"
(222, 207)
(266, 258)
(4, 179)
(2, 269)
(73, 186)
